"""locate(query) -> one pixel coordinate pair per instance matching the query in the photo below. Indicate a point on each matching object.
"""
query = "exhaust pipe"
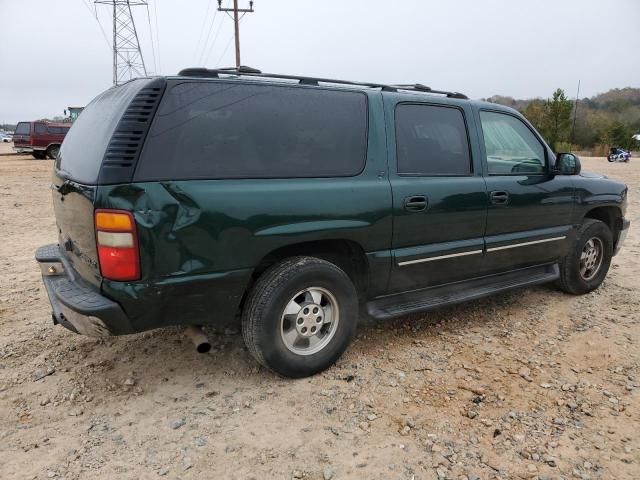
(199, 339)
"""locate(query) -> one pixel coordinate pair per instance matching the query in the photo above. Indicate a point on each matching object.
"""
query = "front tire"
(39, 155)
(586, 265)
(300, 316)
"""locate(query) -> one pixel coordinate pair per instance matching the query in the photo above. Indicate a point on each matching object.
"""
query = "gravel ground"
(529, 384)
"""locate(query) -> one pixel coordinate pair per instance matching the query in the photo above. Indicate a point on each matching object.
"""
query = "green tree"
(536, 111)
(557, 120)
(620, 134)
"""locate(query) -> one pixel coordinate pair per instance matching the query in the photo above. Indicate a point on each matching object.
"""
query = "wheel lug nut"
(313, 329)
(319, 319)
(300, 320)
(315, 310)
(304, 329)
(305, 311)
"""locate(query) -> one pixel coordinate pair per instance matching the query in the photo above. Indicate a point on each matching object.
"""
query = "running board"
(449, 294)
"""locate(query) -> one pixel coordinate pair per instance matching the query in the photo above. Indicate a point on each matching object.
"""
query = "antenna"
(128, 61)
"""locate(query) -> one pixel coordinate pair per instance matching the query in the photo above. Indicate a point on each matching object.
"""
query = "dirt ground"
(529, 384)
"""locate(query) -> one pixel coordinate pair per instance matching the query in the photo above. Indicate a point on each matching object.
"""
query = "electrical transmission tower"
(128, 61)
(236, 22)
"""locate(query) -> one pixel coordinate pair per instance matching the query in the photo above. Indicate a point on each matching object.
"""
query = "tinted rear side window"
(23, 128)
(431, 140)
(215, 130)
(57, 130)
(84, 146)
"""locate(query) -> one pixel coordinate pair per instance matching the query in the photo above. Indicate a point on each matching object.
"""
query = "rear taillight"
(117, 245)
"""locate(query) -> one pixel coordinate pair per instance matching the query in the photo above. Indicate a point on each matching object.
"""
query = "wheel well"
(346, 254)
(611, 216)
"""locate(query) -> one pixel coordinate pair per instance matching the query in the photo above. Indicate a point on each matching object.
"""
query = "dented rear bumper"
(75, 304)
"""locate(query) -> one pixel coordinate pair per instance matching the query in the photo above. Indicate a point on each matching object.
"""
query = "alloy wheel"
(591, 258)
(309, 321)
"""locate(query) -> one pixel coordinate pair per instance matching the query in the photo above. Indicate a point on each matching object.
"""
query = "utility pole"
(575, 114)
(128, 62)
(236, 22)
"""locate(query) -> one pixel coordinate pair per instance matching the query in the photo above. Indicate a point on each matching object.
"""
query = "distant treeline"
(607, 119)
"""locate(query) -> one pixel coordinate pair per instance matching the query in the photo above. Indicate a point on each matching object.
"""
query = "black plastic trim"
(123, 151)
(431, 298)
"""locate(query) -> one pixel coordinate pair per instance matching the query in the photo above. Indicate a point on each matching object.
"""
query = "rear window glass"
(57, 130)
(431, 140)
(229, 130)
(84, 146)
(40, 128)
(23, 128)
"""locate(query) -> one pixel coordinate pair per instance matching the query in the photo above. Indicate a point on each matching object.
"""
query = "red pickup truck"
(40, 138)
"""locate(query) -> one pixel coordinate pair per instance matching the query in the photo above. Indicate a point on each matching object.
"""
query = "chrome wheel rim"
(309, 321)
(54, 152)
(591, 258)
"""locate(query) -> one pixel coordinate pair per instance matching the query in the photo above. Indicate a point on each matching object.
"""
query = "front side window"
(212, 130)
(431, 141)
(512, 149)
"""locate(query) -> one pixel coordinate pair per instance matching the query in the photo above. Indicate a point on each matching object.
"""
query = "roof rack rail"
(254, 72)
(423, 88)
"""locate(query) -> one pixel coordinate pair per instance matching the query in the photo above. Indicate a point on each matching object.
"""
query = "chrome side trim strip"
(431, 259)
(515, 245)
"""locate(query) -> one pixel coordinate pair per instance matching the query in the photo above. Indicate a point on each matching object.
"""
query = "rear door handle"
(415, 203)
(499, 197)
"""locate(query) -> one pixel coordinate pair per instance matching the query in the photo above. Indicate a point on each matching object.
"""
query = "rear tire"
(586, 265)
(300, 316)
(39, 155)
(52, 151)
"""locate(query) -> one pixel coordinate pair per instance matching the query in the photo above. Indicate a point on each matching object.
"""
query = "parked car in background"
(617, 154)
(5, 138)
(187, 200)
(40, 138)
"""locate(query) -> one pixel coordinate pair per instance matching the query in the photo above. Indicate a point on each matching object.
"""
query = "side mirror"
(566, 164)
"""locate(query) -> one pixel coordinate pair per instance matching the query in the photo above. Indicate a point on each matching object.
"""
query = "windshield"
(23, 128)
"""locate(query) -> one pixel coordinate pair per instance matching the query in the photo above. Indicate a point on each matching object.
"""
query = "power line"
(155, 14)
(226, 47)
(94, 14)
(204, 24)
(236, 22)
(225, 50)
(210, 49)
(153, 48)
(205, 50)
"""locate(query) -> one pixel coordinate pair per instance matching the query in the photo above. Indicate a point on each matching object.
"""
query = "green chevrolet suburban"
(297, 203)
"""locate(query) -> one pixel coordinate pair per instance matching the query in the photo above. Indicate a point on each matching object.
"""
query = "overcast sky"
(53, 53)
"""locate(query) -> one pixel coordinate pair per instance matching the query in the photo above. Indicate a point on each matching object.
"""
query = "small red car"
(40, 138)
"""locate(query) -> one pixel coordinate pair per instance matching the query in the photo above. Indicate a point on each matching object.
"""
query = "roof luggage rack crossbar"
(253, 72)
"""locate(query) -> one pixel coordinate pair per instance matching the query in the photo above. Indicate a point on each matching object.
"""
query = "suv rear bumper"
(76, 305)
